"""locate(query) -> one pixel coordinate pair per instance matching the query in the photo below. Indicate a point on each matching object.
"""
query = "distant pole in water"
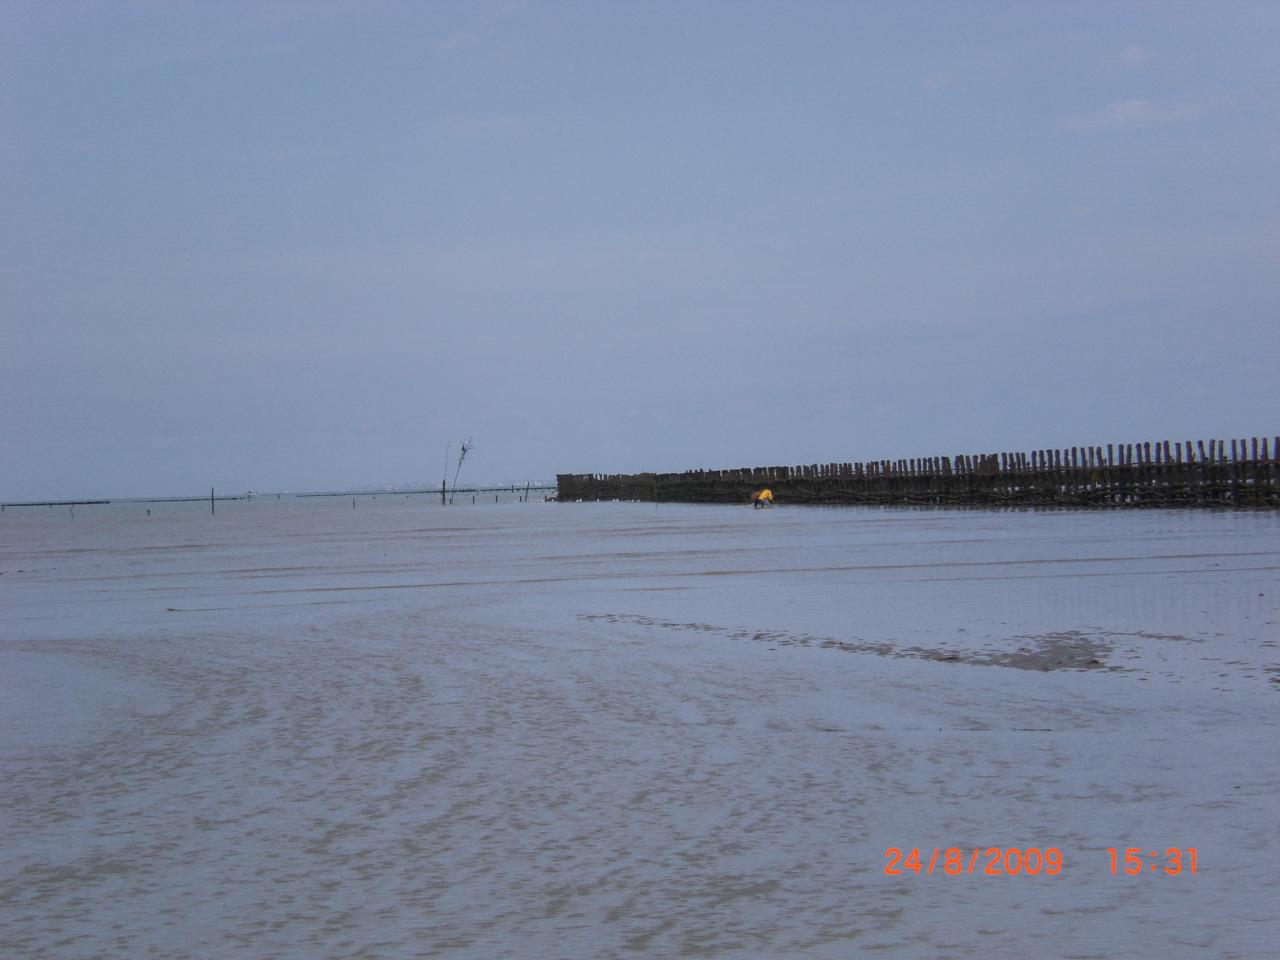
(466, 446)
(211, 507)
(353, 503)
(444, 482)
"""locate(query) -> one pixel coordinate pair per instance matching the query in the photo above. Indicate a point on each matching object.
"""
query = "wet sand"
(553, 730)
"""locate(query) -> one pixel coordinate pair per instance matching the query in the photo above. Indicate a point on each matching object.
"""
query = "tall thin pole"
(444, 482)
(466, 445)
(211, 508)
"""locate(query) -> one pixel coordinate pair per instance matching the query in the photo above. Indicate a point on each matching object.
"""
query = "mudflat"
(299, 730)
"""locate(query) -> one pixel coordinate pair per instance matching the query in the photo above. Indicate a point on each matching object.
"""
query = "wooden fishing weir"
(1213, 473)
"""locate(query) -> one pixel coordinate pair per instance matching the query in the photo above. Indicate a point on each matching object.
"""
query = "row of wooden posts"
(1232, 473)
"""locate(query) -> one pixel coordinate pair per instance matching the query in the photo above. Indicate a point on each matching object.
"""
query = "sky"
(303, 246)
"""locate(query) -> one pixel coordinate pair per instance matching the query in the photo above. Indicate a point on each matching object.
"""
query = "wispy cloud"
(1135, 56)
(480, 26)
(938, 80)
(1128, 114)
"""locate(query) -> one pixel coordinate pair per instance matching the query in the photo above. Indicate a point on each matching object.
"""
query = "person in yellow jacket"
(762, 498)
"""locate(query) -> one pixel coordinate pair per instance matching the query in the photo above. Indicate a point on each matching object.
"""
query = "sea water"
(296, 729)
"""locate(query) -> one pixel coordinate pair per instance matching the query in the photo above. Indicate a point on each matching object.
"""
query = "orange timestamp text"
(1031, 861)
(993, 861)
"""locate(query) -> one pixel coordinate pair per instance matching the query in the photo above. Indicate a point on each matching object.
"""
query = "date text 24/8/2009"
(1031, 861)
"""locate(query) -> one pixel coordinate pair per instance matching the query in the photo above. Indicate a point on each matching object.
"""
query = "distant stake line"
(1241, 472)
(512, 488)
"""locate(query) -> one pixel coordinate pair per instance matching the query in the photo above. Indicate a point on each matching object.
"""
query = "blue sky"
(303, 245)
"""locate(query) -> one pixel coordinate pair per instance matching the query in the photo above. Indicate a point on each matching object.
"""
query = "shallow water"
(300, 730)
